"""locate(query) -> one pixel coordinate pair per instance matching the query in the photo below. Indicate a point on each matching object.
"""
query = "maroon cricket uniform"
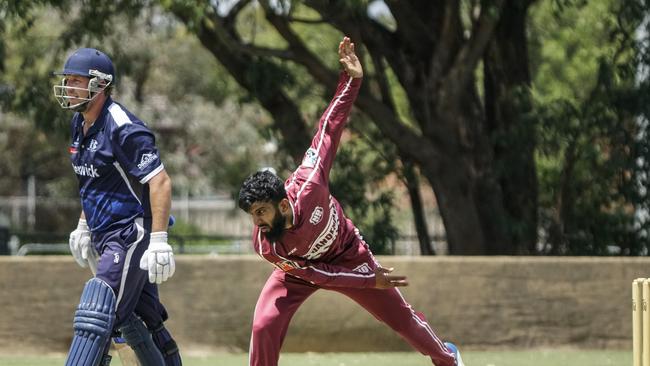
(323, 249)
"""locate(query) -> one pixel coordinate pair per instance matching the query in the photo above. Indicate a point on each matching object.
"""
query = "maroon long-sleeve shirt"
(323, 245)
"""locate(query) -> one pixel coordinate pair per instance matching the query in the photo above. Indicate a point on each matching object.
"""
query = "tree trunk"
(457, 206)
(419, 217)
(469, 197)
(250, 72)
(507, 102)
(450, 136)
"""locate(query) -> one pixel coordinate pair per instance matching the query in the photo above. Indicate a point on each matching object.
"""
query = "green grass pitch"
(473, 358)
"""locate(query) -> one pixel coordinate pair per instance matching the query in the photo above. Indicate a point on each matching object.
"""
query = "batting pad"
(138, 337)
(93, 324)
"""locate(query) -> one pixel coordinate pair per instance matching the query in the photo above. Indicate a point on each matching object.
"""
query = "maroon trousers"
(283, 294)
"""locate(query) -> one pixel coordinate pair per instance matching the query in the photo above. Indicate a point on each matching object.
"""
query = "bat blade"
(126, 354)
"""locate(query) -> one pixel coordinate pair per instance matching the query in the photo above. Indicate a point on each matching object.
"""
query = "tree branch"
(410, 144)
(266, 51)
(406, 139)
(229, 19)
(307, 21)
(382, 80)
(472, 51)
(408, 66)
(260, 78)
(450, 39)
(374, 35)
(414, 22)
(300, 53)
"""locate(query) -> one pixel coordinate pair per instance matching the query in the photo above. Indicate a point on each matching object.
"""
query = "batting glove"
(81, 246)
(158, 259)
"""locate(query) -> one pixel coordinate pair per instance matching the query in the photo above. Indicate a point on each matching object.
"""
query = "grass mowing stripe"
(545, 357)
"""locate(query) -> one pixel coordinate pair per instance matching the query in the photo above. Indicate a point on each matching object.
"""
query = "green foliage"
(356, 181)
(567, 47)
(33, 128)
(182, 227)
(26, 84)
(28, 151)
(173, 84)
(590, 110)
(176, 86)
(592, 152)
(203, 76)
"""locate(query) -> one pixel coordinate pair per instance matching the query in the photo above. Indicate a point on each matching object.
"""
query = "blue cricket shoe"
(452, 347)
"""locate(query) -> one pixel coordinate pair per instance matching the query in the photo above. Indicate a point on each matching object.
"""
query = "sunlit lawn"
(492, 358)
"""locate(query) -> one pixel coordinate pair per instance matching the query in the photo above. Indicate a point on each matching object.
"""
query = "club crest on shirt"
(92, 145)
(310, 158)
(146, 159)
(316, 215)
(363, 268)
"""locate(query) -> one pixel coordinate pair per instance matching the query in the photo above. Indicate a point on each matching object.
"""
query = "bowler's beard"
(277, 227)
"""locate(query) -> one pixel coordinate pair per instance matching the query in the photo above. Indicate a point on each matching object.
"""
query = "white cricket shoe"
(452, 347)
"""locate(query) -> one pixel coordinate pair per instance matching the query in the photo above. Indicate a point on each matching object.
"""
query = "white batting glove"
(81, 246)
(158, 259)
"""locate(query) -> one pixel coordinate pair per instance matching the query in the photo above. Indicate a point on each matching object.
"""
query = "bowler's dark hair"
(262, 186)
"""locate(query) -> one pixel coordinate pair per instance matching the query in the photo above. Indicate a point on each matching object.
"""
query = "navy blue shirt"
(113, 162)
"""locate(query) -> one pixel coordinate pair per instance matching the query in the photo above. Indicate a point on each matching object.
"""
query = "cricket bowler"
(301, 229)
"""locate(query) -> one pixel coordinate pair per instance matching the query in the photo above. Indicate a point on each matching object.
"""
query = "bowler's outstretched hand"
(383, 280)
(349, 59)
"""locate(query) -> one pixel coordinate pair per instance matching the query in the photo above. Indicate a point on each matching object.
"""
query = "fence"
(212, 216)
(39, 221)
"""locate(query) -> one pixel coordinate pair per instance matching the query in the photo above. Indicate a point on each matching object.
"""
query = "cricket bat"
(126, 354)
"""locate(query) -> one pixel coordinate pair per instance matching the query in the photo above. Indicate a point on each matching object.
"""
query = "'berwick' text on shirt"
(85, 170)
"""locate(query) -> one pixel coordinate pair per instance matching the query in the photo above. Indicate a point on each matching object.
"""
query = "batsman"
(122, 229)
(301, 229)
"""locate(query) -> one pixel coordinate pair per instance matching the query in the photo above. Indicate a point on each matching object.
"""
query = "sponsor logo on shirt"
(327, 236)
(74, 148)
(316, 215)
(85, 170)
(310, 158)
(286, 265)
(146, 159)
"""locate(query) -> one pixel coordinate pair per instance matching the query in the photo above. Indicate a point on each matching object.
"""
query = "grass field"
(505, 358)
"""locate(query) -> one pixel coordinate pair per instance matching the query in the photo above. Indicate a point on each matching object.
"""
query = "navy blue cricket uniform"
(113, 163)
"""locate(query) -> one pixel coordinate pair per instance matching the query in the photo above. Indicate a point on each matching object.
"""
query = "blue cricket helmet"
(86, 62)
(89, 62)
